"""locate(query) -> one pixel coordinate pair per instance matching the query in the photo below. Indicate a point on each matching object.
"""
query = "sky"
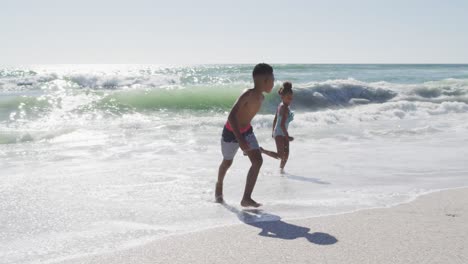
(241, 31)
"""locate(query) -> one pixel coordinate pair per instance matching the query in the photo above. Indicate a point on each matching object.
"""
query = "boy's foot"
(219, 199)
(219, 193)
(282, 171)
(250, 203)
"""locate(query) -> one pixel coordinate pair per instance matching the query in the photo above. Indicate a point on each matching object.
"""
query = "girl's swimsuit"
(278, 131)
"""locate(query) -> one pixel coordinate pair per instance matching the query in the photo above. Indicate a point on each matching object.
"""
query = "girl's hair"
(286, 89)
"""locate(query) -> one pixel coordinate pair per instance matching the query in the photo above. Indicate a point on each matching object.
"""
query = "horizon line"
(237, 63)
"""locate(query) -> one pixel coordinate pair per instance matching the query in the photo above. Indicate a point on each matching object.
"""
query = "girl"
(280, 126)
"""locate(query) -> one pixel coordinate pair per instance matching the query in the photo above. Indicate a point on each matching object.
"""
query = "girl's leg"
(269, 153)
(280, 144)
(285, 157)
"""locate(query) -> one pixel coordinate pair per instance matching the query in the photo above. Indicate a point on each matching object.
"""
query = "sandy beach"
(431, 229)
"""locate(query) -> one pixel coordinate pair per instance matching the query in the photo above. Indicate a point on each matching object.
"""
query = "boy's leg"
(229, 150)
(256, 159)
(225, 164)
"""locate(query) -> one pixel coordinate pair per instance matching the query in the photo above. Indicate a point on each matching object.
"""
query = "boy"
(239, 133)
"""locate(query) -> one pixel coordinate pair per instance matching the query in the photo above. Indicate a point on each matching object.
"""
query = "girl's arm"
(284, 117)
(274, 124)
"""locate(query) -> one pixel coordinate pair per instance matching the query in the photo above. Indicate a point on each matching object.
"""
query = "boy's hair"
(262, 69)
(286, 89)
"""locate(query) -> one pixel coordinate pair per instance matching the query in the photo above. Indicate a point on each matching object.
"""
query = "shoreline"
(439, 210)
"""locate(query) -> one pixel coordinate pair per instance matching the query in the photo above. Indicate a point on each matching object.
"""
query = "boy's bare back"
(247, 106)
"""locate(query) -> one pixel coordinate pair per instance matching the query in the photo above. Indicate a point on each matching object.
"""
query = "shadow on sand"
(272, 226)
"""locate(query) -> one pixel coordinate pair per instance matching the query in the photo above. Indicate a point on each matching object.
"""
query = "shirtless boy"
(238, 132)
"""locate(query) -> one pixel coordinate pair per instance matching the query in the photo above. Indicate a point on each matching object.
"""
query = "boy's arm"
(232, 119)
(274, 123)
(284, 116)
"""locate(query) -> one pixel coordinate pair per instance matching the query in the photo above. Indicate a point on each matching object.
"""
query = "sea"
(100, 158)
